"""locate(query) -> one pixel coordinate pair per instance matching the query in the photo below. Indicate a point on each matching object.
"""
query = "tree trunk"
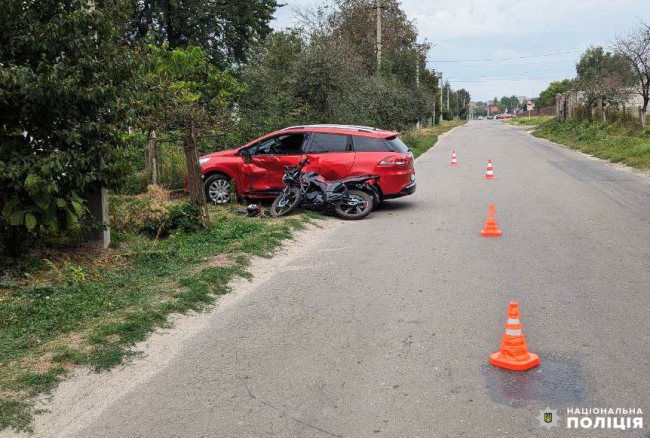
(152, 157)
(642, 112)
(194, 176)
(601, 106)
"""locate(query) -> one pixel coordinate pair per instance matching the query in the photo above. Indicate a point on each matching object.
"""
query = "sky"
(541, 40)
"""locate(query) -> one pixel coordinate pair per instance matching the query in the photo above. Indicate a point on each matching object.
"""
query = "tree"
(185, 92)
(547, 97)
(64, 72)
(355, 24)
(224, 29)
(604, 77)
(326, 72)
(459, 101)
(510, 103)
(635, 47)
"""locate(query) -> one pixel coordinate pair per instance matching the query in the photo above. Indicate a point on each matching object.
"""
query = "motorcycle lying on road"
(352, 197)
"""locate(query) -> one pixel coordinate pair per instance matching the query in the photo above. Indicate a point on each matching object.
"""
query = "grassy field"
(529, 121)
(422, 140)
(611, 142)
(89, 309)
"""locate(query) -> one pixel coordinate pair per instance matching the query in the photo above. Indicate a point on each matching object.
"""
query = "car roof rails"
(357, 127)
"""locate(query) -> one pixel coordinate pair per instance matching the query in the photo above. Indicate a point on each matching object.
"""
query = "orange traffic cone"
(454, 161)
(489, 174)
(490, 228)
(513, 354)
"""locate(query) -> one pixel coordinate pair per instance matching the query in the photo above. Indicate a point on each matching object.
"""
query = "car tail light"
(395, 161)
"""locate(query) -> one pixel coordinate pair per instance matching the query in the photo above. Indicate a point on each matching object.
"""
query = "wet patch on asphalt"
(557, 382)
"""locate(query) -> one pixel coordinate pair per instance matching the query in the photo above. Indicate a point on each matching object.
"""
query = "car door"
(330, 155)
(264, 170)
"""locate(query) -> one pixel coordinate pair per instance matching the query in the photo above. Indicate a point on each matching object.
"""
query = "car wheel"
(360, 206)
(218, 189)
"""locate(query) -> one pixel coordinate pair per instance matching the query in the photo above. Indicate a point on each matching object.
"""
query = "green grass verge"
(424, 139)
(611, 142)
(529, 121)
(92, 316)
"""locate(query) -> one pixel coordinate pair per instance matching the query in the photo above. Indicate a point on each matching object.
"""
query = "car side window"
(397, 144)
(323, 143)
(369, 144)
(285, 144)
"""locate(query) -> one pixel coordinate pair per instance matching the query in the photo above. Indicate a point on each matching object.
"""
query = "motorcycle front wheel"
(358, 206)
(286, 202)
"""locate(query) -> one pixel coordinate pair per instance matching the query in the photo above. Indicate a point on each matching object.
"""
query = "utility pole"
(447, 95)
(441, 106)
(433, 116)
(417, 77)
(378, 36)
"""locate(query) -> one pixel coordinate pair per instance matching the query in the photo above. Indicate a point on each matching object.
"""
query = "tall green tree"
(635, 47)
(65, 69)
(547, 97)
(224, 29)
(604, 77)
(355, 23)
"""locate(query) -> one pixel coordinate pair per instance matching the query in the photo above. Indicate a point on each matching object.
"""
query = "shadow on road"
(394, 205)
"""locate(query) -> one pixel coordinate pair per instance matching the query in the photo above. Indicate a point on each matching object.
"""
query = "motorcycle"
(352, 197)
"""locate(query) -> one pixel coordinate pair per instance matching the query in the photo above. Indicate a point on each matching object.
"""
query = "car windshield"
(397, 144)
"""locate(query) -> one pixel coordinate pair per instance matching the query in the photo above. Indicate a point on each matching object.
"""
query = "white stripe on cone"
(489, 172)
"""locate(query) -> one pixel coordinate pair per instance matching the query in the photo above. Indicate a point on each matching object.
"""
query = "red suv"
(334, 151)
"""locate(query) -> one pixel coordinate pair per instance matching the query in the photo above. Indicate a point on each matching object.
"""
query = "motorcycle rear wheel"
(361, 207)
(285, 204)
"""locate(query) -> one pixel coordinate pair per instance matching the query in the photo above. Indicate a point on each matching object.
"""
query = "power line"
(505, 59)
(512, 74)
(506, 80)
(525, 64)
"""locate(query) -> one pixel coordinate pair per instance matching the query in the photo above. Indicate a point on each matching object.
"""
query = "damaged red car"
(334, 151)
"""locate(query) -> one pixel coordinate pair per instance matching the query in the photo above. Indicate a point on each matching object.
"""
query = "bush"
(447, 115)
(182, 217)
(152, 213)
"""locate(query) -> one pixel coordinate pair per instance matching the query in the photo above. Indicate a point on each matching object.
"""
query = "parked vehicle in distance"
(333, 151)
(508, 116)
(480, 117)
(490, 117)
(352, 197)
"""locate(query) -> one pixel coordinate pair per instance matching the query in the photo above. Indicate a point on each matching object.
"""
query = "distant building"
(494, 109)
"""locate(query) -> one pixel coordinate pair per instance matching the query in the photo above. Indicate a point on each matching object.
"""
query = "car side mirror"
(246, 154)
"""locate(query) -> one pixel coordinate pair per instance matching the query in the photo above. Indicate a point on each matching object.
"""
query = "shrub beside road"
(529, 121)
(422, 140)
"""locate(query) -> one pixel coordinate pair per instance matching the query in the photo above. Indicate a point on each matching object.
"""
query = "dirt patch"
(221, 260)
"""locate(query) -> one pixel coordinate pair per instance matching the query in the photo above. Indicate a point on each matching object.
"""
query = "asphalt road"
(386, 328)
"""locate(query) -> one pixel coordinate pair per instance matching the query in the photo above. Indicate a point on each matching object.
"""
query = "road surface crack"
(284, 414)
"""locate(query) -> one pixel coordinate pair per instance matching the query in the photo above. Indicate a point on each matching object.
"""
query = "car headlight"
(202, 161)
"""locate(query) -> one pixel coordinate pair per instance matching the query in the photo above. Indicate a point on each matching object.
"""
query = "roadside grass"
(66, 315)
(529, 121)
(613, 142)
(422, 140)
